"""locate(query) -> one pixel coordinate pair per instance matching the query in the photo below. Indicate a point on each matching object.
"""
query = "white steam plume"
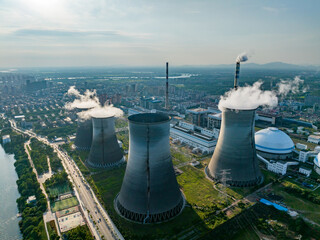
(284, 87)
(242, 57)
(87, 100)
(251, 97)
(73, 91)
(90, 101)
(101, 112)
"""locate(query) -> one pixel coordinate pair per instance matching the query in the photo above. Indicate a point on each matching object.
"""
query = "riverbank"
(9, 222)
(31, 224)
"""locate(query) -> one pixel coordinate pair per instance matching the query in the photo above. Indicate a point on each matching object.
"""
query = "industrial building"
(314, 139)
(200, 138)
(271, 118)
(84, 132)
(279, 167)
(105, 151)
(214, 121)
(149, 192)
(235, 151)
(199, 116)
(272, 143)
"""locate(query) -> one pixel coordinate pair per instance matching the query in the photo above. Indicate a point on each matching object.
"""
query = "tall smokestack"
(167, 86)
(241, 58)
(236, 76)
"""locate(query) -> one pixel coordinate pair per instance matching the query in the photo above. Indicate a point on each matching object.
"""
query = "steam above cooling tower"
(84, 132)
(235, 151)
(105, 151)
(150, 192)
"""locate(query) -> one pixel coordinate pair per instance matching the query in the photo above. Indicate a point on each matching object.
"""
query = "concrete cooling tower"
(84, 132)
(150, 192)
(235, 151)
(105, 151)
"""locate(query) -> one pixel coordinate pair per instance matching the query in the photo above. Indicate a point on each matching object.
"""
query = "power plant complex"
(150, 192)
(105, 151)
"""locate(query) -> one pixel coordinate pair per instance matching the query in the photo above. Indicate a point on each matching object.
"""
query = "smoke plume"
(90, 101)
(101, 112)
(87, 100)
(251, 97)
(242, 57)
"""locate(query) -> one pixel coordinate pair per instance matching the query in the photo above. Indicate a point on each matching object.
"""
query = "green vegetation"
(52, 132)
(263, 222)
(52, 230)
(31, 224)
(39, 156)
(180, 156)
(124, 138)
(302, 200)
(63, 204)
(58, 184)
(80, 232)
(121, 123)
(40, 153)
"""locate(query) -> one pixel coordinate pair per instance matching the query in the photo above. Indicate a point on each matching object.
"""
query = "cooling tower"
(84, 132)
(150, 192)
(235, 151)
(105, 151)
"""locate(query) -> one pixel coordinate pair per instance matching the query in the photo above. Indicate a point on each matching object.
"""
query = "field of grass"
(303, 206)
(63, 204)
(61, 189)
(197, 188)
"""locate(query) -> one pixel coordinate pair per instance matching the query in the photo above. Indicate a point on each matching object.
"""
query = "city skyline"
(142, 33)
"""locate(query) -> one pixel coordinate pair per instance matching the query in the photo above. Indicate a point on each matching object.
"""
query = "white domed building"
(272, 143)
(316, 162)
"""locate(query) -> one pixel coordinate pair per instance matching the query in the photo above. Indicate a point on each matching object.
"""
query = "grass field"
(197, 188)
(61, 189)
(63, 204)
(305, 207)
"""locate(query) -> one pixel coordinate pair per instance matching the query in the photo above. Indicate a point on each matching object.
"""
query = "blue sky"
(148, 33)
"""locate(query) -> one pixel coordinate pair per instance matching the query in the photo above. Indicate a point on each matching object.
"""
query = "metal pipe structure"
(84, 132)
(167, 86)
(235, 152)
(149, 192)
(236, 76)
(105, 151)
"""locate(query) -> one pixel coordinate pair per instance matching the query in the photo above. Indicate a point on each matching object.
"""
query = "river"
(9, 228)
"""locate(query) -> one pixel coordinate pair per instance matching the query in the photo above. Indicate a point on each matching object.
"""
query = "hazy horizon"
(102, 33)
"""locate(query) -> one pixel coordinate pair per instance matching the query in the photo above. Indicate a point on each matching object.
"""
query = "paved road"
(96, 216)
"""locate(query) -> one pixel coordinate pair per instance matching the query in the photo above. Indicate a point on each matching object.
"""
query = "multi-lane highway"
(97, 218)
